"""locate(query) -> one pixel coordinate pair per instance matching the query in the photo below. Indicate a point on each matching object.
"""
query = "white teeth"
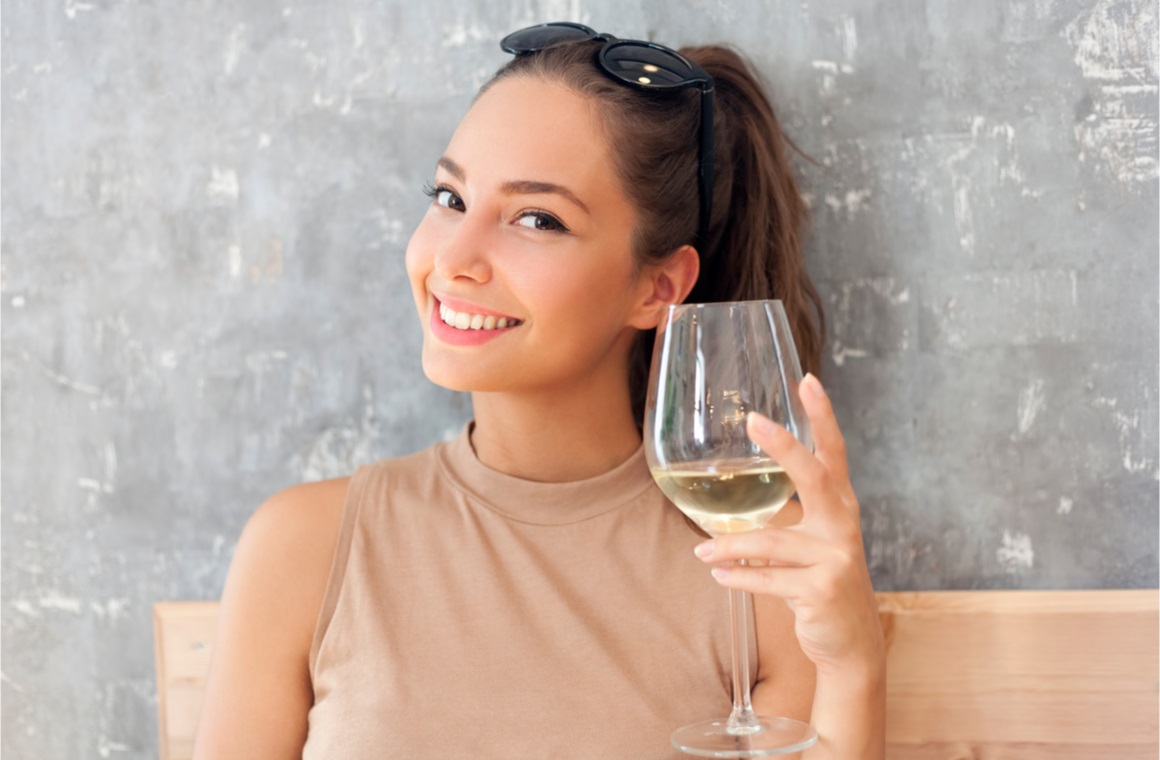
(465, 321)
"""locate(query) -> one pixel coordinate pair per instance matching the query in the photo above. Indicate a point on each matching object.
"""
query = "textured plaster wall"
(205, 207)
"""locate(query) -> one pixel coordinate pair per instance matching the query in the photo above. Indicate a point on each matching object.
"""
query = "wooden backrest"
(182, 642)
(1022, 674)
(971, 674)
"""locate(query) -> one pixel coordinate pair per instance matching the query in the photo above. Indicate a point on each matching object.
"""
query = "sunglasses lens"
(641, 65)
(539, 37)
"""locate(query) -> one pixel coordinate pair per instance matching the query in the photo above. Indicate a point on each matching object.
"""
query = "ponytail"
(759, 216)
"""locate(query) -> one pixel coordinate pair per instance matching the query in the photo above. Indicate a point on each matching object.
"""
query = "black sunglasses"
(646, 66)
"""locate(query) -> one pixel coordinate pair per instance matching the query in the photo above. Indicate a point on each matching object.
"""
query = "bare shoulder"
(303, 518)
(258, 692)
(290, 538)
(285, 552)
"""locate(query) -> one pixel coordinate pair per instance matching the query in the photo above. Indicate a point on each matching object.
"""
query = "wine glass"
(712, 365)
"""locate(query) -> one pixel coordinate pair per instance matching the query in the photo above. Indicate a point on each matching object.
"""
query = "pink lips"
(456, 337)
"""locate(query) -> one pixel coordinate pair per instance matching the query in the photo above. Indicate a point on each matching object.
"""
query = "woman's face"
(522, 269)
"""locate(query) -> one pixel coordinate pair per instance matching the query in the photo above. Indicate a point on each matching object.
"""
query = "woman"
(525, 590)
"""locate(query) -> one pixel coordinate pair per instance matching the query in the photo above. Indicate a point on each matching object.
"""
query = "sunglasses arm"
(706, 177)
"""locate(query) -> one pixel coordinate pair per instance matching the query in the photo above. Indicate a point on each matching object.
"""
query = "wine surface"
(726, 497)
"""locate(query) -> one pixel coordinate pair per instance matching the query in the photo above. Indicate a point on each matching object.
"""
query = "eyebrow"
(518, 186)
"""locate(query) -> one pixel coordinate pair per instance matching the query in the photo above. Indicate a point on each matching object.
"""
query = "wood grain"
(1022, 673)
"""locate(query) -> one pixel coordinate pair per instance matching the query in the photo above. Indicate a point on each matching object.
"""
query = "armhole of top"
(350, 516)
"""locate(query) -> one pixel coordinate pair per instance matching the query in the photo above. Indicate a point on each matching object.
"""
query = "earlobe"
(666, 284)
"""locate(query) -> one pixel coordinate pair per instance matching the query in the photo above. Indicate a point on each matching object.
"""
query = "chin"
(454, 374)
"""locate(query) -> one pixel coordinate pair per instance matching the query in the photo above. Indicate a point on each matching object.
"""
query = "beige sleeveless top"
(471, 614)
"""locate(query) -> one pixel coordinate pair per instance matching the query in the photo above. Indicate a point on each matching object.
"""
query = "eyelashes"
(540, 220)
(436, 193)
(543, 221)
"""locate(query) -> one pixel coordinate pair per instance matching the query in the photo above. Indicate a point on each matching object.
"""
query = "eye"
(541, 220)
(444, 196)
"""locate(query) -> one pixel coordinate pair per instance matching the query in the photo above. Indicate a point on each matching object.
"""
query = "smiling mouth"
(462, 320)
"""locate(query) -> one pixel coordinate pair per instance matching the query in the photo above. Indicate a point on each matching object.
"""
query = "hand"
(817, 566)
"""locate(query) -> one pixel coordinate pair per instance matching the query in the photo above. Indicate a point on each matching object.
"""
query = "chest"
(493, 638)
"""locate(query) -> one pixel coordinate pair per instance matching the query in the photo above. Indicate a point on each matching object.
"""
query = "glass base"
(775, 736)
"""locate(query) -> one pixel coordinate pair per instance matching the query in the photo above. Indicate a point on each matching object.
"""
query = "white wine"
(726, 496)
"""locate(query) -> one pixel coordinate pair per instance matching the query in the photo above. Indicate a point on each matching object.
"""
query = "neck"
(557, 436)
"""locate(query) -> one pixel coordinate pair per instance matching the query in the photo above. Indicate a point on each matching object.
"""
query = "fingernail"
(704, 549)
(814, 385)
(720, 572)
(760, 424)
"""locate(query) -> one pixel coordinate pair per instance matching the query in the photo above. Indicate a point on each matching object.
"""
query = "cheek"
(590, 301)
(419, 258)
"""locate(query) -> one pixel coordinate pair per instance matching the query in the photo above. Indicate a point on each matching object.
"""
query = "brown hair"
(758, 218)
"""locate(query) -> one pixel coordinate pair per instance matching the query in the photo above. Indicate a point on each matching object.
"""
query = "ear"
(665, 284)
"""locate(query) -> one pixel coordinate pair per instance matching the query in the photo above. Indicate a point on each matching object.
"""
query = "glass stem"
(741, 720)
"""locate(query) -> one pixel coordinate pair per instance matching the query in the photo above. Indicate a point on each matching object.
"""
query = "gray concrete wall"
(205, 207)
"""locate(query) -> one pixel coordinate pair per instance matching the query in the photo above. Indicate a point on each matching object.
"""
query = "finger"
(778, 546)
(789, 583)
(829, 444)
(810, 477)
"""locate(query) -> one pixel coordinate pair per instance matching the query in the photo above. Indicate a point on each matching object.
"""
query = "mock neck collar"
(539, 503)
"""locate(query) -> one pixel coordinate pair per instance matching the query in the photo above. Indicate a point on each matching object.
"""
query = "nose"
(462, 254)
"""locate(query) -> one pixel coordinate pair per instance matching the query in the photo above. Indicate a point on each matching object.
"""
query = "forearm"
(849, 714)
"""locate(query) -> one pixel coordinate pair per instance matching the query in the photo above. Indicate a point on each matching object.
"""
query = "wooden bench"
(973, 675)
